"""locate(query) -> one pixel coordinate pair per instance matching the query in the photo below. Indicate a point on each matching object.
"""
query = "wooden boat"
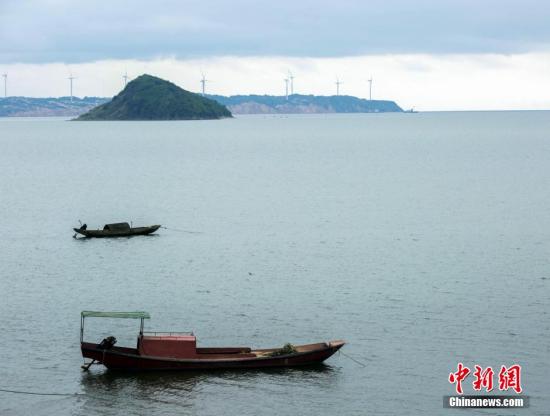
(121, 229)
(156, 351)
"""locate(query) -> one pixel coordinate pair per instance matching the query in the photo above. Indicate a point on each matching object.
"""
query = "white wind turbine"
(71, 78)
(5, 76)
(125, 78)
(370, 88)
(291, 78)
(203, 83)
(338, 83)
(286, 87)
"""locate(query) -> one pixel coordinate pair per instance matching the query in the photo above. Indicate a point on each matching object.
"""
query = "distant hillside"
(47, 107)
(237, 104)
(296, 103)
(151, 98)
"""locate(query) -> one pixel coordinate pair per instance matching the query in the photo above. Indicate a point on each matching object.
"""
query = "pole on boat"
(80, 222)
(86, 367)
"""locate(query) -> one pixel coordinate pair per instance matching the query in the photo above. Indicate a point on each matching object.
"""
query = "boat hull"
(128, 359)
(117, 233)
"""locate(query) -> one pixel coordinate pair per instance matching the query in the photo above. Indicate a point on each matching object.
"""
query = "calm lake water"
(421, 239)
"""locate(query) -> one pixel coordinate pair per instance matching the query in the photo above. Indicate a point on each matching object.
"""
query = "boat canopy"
(119, 226)
(99, 314)
(127, 315)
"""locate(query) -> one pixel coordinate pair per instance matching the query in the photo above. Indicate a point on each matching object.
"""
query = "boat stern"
(91, 351)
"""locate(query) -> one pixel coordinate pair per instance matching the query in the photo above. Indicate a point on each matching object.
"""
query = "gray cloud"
(69, 31)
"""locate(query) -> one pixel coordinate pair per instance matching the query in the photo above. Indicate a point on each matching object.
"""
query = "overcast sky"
(430, 54)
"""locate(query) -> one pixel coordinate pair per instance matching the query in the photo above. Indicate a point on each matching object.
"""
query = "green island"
(151, 98)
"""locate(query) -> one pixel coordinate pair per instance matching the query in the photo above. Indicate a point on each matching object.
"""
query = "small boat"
(121, 229)
(178, 351)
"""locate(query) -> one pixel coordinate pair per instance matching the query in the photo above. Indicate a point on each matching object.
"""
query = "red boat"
(178, 351)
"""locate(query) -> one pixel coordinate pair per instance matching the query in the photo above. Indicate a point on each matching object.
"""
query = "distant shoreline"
(237, 115)
(237, 104)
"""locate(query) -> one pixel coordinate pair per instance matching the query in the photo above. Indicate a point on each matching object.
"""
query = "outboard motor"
(83, 227)
(107, 343)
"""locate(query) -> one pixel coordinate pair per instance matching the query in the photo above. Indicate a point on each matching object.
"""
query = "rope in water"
(353, 359)
(182, 231)
(41, 394)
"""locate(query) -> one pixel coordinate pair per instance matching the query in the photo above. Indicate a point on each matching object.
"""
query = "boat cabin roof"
(119, 226)
(127, 315)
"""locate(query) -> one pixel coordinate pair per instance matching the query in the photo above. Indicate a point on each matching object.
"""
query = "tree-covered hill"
(151, 98)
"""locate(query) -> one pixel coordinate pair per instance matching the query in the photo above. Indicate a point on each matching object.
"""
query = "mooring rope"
(41, 394)
(353, 359)
(182, 231)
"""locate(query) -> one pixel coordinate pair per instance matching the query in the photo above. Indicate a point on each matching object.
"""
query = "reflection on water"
(136, 392)
(82, 238)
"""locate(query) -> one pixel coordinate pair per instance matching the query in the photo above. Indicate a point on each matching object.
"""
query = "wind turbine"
(71, 83)
(286, 88)
(370, 88)
(125, 78)
(5, 85)
(338, 83)
(291, 77)
(203, 83)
